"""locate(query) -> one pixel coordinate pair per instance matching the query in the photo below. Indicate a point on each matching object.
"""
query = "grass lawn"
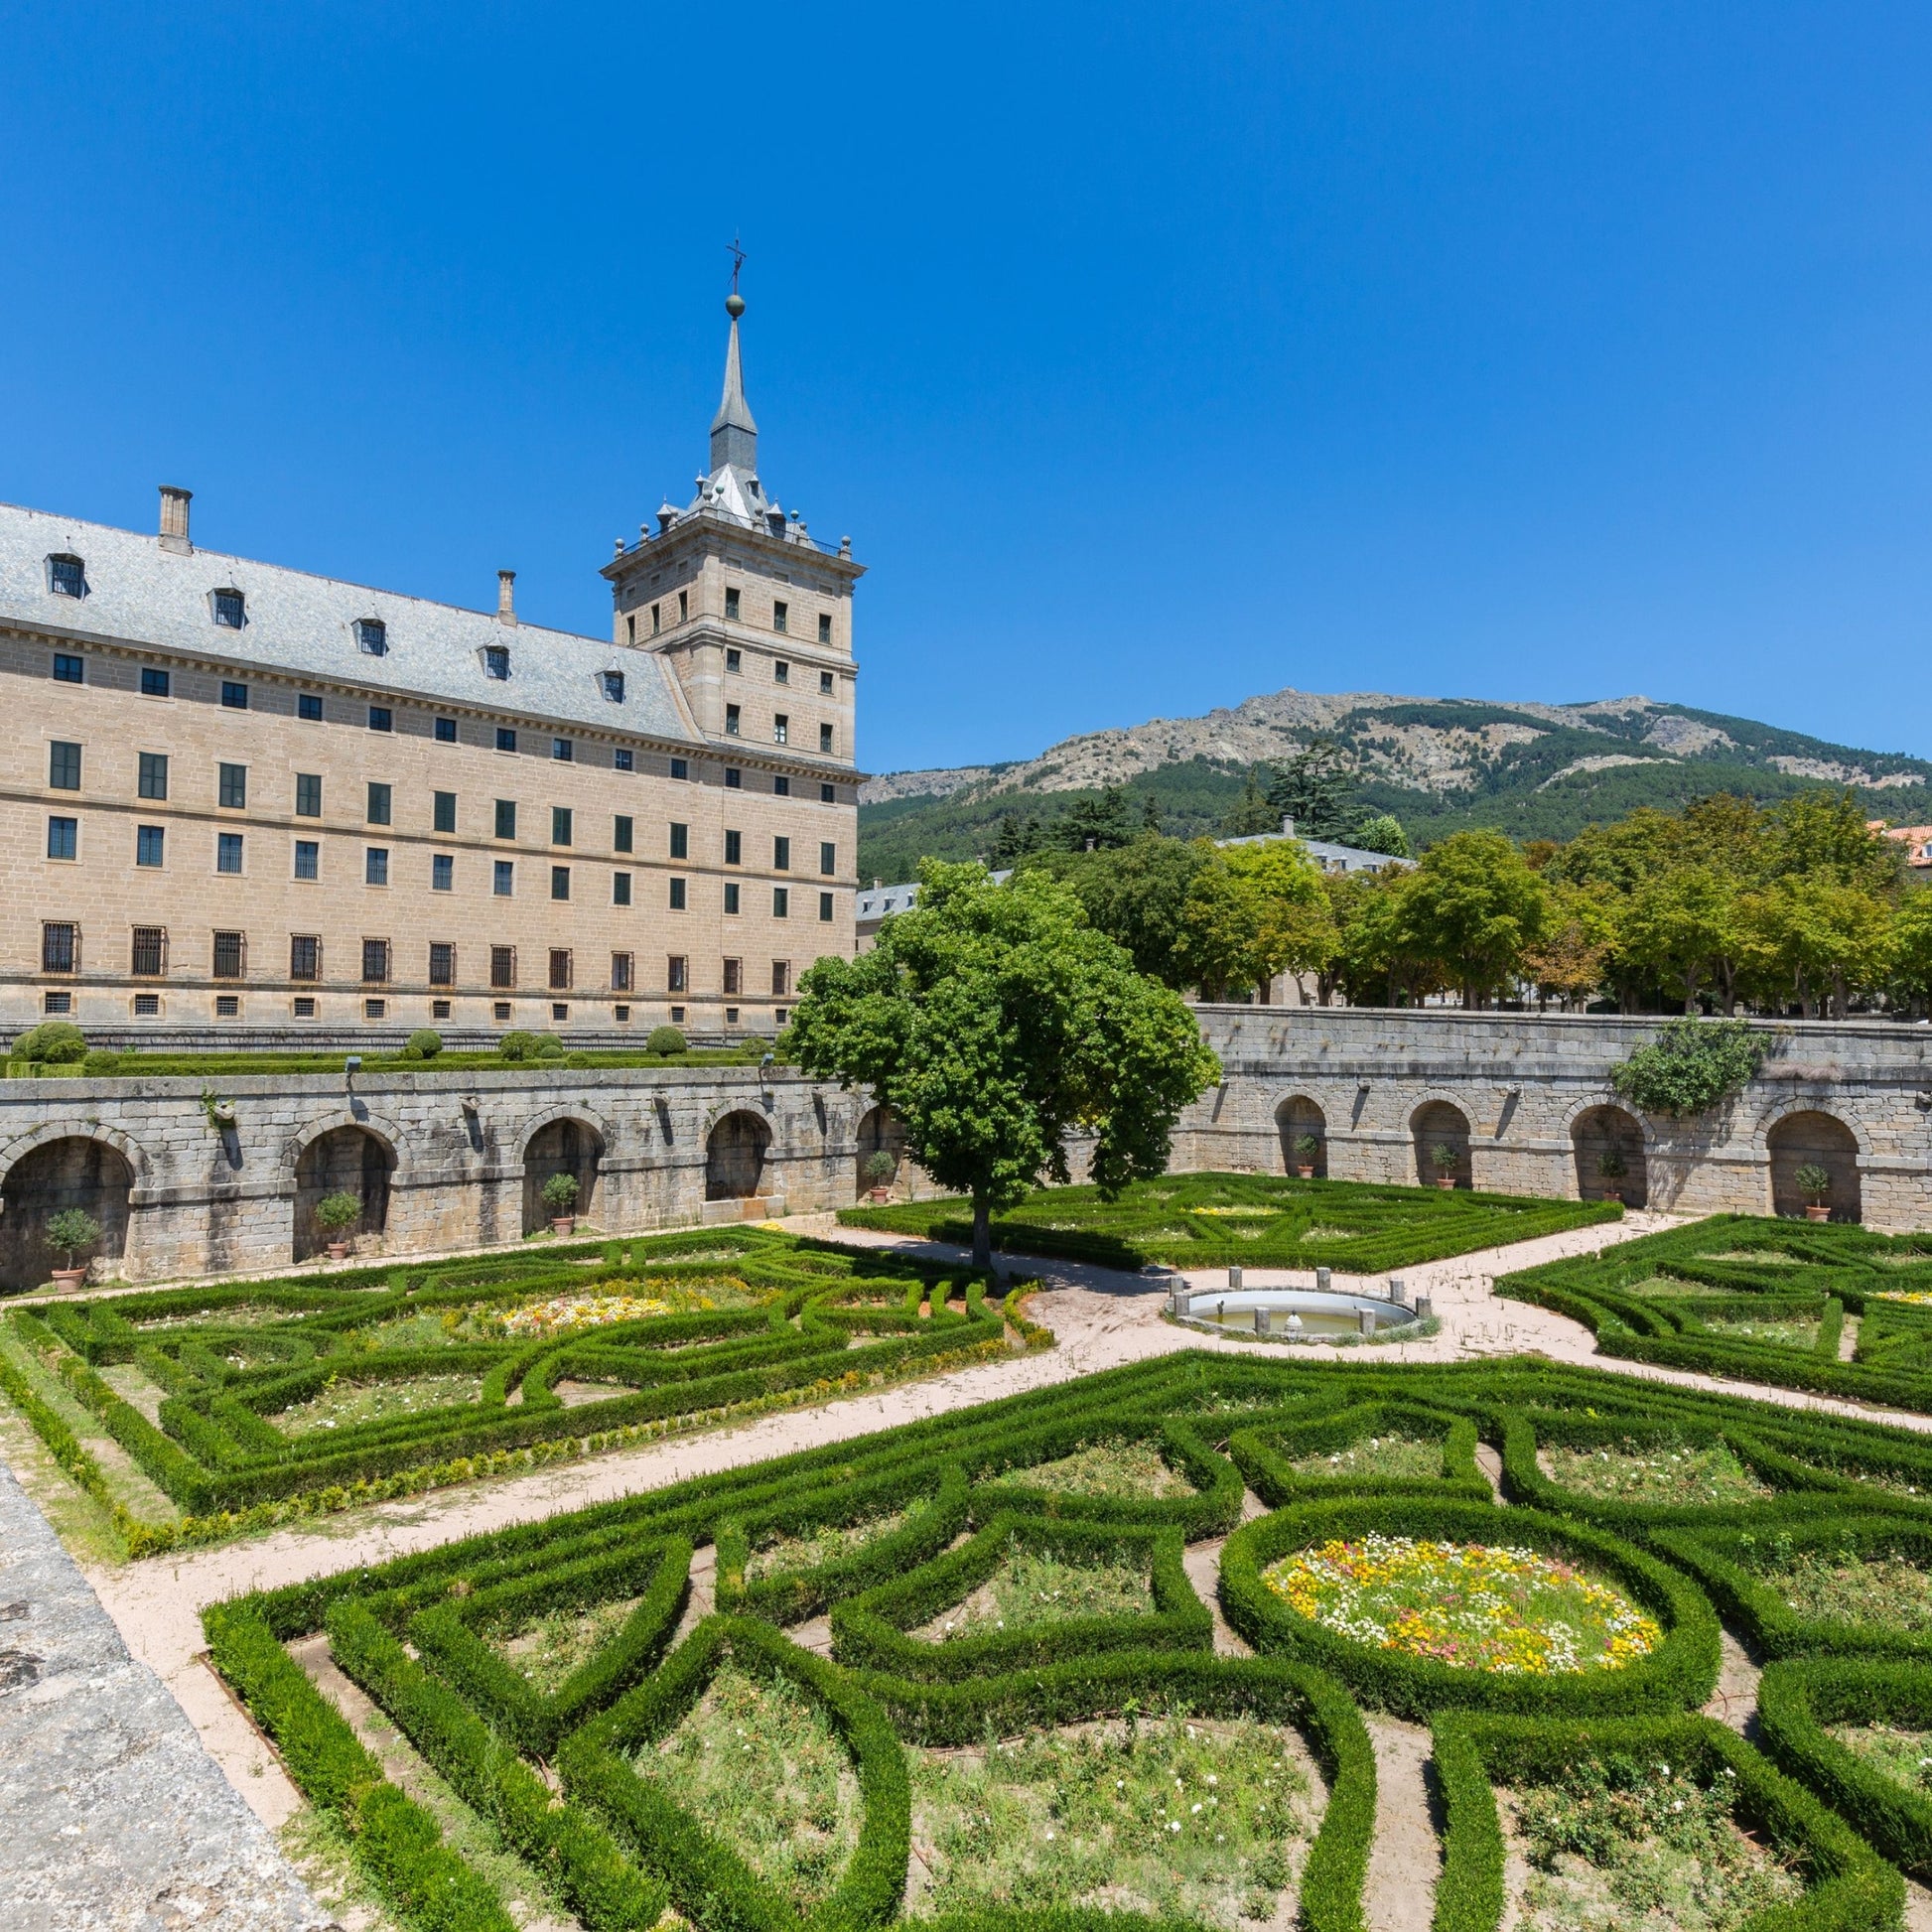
(1388, 1459)
(1664, 1472)
(346, 1404)
(1034, 1586)
(1843, 1588)
(1106, 1469)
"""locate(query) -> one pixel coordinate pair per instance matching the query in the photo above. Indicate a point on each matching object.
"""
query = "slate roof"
(141, 594)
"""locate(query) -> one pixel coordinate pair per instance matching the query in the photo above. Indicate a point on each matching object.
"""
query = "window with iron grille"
(227, 1006)
(152, 780)
(559, 969)
(229, 610)
(376, 866)
(308, 859)
(733, 974)
(227, 852)
(232, 787)
(374, 1008)
(304, 956)
(375, 961)
(502, 965)
(231, 950)
(60, 947)
(442, 872)
(147, 1005)
(442, 963)
(63, 765)
(678, 973)
(307, 794)
(150, 952)
(621, 967)
(68, 576)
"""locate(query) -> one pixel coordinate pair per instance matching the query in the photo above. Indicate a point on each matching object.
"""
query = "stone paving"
(116, 1819)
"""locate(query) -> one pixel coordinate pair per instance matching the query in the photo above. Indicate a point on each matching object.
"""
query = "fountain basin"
(1289, 1314)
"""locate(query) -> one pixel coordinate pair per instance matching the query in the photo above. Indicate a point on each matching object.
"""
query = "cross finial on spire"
(738, 261)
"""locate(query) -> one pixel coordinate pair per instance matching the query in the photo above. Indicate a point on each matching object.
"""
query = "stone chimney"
(1288, 827)
(173, 520)
(506, 596)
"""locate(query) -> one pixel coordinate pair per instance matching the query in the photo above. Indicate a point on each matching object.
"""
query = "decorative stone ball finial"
(734, 305)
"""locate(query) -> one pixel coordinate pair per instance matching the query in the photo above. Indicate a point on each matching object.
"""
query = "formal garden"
(1211, 1220)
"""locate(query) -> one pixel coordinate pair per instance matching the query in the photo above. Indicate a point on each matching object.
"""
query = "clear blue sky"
(1151, 356)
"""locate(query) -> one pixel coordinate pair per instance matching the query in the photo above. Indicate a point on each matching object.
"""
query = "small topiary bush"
(53, 1043)
(519, 1045)
(423, 1045)
(666, 1040)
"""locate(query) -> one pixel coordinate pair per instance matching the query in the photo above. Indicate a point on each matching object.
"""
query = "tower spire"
(734, 431)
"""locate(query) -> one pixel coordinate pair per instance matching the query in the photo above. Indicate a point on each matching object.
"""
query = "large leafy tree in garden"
(1251, 912)
(1474, 907)
(996, 1024)
(1682, 927)
(1137, 895)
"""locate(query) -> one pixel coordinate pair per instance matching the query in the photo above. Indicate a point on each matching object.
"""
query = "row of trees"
(1724, 905)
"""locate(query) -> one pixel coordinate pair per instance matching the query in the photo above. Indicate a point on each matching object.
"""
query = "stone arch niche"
(1596, 1136)
(346, 1160)
(880, 1131)
(1295, 1120)
(733, 1156)
(73, 1172)
(570, 1147)
(1439, 1124)
(1814, 1139)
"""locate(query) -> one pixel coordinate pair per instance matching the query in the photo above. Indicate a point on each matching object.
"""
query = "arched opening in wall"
(881, 1138)
(1442, 1135)
(1303, 1129)
(344, 1160)
(1608, 1143)
(570, 1147)
(1805, 1145)
(77, 1171)
(733, 1157)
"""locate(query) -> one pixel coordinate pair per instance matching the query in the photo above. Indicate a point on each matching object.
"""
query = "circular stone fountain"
(1289, 1314)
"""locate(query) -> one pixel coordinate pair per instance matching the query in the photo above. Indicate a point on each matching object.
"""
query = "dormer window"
(67, 575)
(613, 686)
(230, 611)
(372, 637)
(497, 660)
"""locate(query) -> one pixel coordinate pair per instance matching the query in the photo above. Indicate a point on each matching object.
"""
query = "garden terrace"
(1208, 1220)
(816, 1746)
(247, 1404)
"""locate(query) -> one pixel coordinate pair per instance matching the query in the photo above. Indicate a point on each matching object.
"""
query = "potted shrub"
(68, 1232)
(1610, 1165)
(1444, 1157)
(1306, 1149)
(881, 1167)
(337, 1213)
(560, 1196)
(1816, 1182)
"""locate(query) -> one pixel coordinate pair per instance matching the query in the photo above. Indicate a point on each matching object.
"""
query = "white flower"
(1213, 1780)
(1677, 1804)
(1174, 1824)
(1050, 1838)
(1197, 1806)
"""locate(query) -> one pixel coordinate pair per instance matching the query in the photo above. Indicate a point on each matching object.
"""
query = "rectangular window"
(731, 896)
(68, 669)
(307, 794)
(506, 818)
(828, 794)
(439, 1009)
(825, 740)
(500, 1010)
(152, 779)
(731, 605)
(61, 1002)
(782, 786)
(150, 845)
(502, 965)
(381, 804)
(304, 956)
(154, 682)
(734, 717)
(621, 834)
(372, 637)
(619, 888)
(781, 671)
(443, 810)
(824, 635)
(226, 1007)
(442, 963)
(620, 972)
(734, 848)
(828, 858)
(623, 759)
(825, 684)
(376, 866)
(308, 707)
(63, 838)
(563, 750)
(503, 881)
(64, 766)
(680, 841)
(496, 661)
(559, 881)
(677, 895)
(657, 618)
(150, 958)
(234, 697)
(780, 728)
(781, 978)
(374, 1008)
(825, 907)
(734, 779)
(232, 787)
(559, 969)
(680, 769)
(229, 953)
(442, 872)
(683, 606)
(446, 731)
(734, 976)
(380, 718)
(782, 902)
(781, 620)
(560, 824)
(507, 738)
(308, 859)
(781, 855)
(375, 961)
(227, 852)
(304, 1007)
(229, 610)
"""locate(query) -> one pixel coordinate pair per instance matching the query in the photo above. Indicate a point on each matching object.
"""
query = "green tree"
(1681, 925)
(1238, 929)
(1566, 963)
(1474, 907)
(1137, 895)
(1016, 839)
(1912, 943)
(1096, 824)
(1811, 936)
(1824, 834)
(995, 1023)
(1382, 833)
(1317, 788)
(1251, 815)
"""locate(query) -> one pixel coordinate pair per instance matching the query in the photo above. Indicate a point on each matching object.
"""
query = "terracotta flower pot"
(339, 1251)
(562, 1223)
(66, 1280)
(1305, 1174)
(879, 1195)
(1817, 1211)
(1446, 1181)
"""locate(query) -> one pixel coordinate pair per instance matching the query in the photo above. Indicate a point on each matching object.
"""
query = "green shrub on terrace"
(1202, 1221)
(54, 1043)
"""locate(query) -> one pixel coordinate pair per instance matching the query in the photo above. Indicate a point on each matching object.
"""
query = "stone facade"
(1523, 1104)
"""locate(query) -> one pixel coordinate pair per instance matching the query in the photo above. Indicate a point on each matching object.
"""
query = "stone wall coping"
(122, 1087)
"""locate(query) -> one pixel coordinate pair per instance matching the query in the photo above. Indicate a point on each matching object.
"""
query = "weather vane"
(738, 262)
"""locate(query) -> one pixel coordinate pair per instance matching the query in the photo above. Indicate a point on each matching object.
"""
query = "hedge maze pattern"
(1698, 1507)
(440, 1373)
(1208, 1220)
